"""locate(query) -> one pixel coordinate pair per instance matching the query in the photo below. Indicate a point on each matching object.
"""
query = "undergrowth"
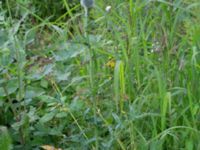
(128, 79)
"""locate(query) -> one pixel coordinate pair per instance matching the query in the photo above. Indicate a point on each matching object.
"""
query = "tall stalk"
(92, 72)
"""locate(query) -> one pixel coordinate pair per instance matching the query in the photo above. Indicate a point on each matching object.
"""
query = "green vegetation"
(125, 78)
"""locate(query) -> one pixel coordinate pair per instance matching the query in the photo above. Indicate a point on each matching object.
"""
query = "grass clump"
(126, 78)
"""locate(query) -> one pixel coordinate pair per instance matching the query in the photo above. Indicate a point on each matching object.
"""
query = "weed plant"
(127, 78)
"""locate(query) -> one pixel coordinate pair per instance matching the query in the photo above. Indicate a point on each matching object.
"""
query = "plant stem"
(91, 73)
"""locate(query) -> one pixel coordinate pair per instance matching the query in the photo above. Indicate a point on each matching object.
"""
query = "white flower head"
(108, 8)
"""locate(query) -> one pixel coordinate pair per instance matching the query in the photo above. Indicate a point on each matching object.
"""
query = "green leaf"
(3, 37)
(44, 83)
(5, 140)
(5, 57)
(189, 145)
(11, 87)
(68, 51)
(37, 74)
(47, 117)
(62, 115)
(77, 105)
(48, 99)
(32, 92)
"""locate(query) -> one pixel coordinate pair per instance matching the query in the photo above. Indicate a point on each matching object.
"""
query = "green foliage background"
(124, 79)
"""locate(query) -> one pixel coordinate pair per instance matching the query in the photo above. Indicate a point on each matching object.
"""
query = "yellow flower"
(111, 63)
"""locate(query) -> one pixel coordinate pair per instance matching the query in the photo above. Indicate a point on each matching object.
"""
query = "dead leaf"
(49, 147)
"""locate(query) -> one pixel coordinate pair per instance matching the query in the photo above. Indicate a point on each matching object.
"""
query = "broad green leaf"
(39, 73)
(11, 87)
(32, 92)
(67, 51)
